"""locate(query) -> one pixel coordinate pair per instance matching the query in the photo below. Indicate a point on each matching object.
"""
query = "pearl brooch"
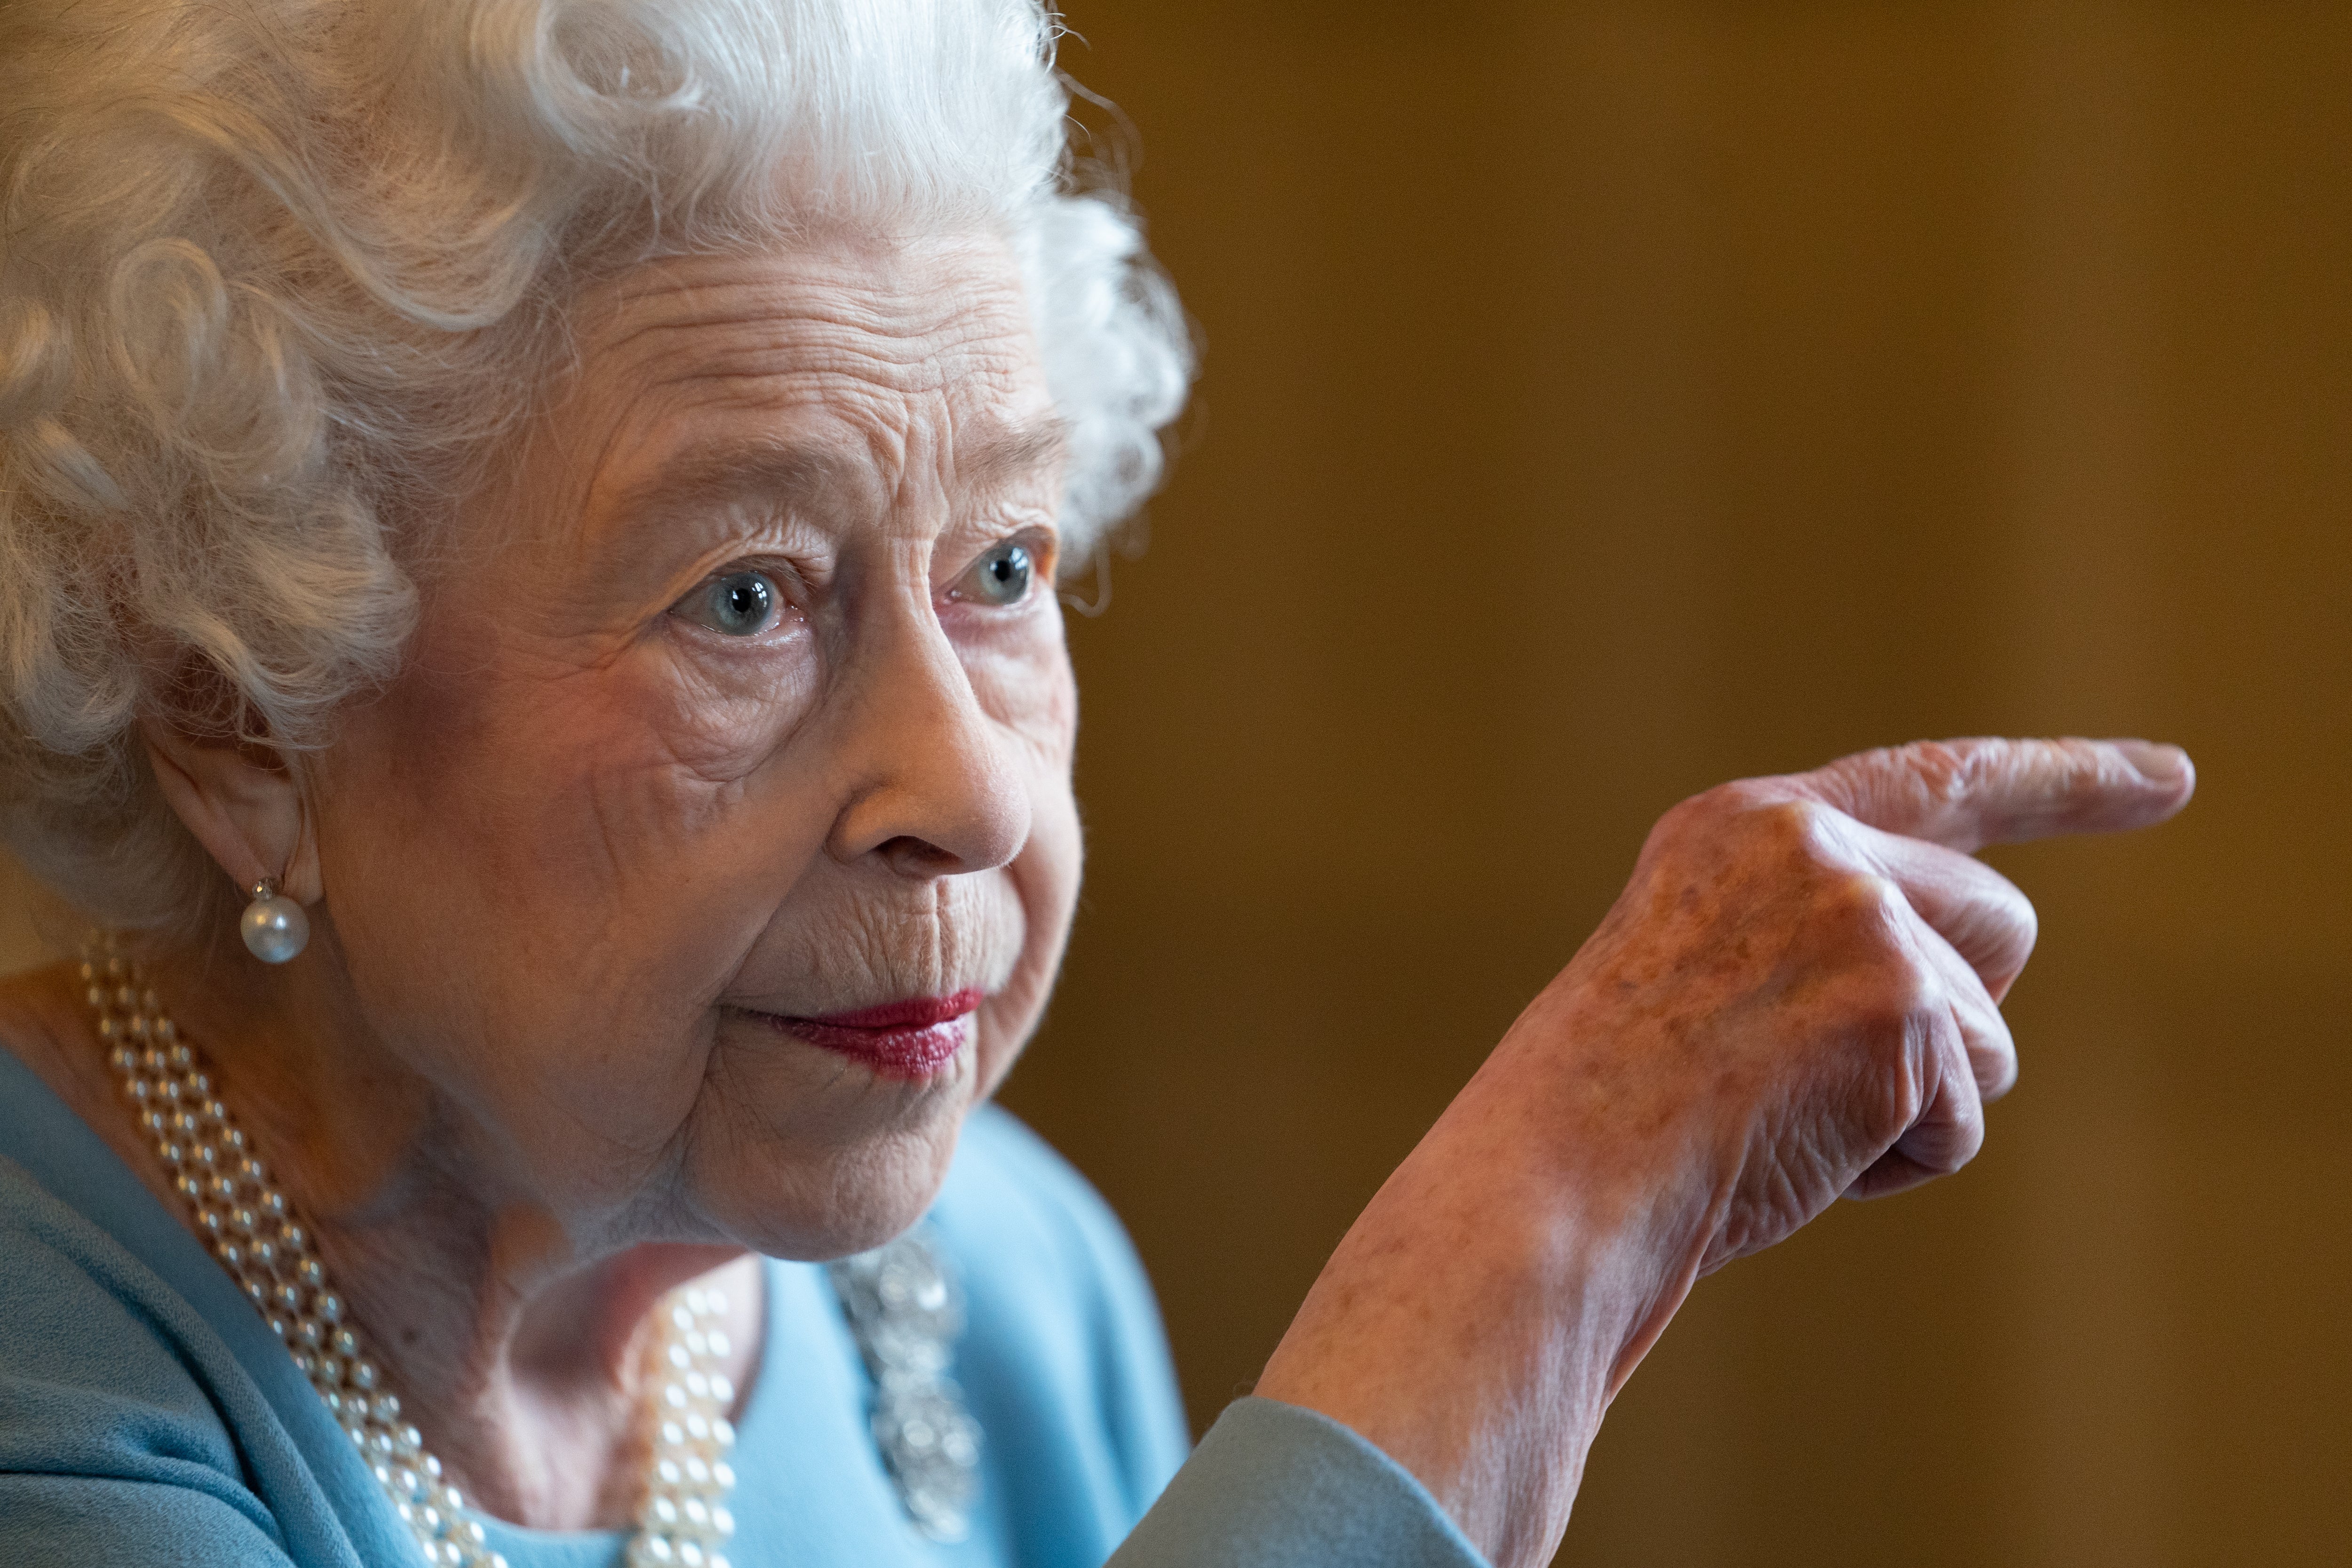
(906, 1313)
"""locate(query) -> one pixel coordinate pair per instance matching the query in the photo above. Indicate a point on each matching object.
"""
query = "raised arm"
(1795, 998)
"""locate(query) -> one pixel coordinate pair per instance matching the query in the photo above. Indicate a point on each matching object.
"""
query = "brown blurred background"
(1605, 401)
(1602, 401)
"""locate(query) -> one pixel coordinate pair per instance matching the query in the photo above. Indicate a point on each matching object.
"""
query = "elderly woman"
(542, 516)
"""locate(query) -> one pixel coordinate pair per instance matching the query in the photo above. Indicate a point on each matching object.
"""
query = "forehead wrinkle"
(826, 327)
(834, 344)
(784, 470)
(876, 425)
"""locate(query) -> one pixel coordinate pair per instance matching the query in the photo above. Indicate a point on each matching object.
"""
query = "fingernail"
(2156, 765)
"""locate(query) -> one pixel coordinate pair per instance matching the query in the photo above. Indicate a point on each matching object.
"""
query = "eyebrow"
(1011, 452)
(700, 479)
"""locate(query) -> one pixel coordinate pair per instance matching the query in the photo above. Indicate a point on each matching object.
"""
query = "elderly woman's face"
(744, 702)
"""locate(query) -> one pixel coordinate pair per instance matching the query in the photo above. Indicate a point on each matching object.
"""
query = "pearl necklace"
(246, 1219)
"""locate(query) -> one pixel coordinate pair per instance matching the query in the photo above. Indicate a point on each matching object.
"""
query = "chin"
(826, 1197)
(803, 1153)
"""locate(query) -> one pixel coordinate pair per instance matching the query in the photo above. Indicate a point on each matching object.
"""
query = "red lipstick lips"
(913, 1038)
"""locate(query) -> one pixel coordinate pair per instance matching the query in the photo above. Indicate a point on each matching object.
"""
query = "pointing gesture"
(1797, 996)
(1871, 948)
(1942, 928)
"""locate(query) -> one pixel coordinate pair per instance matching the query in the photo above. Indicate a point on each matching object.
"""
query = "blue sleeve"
(1274, 1486)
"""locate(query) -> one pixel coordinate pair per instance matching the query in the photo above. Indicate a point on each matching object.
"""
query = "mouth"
(913, 1038)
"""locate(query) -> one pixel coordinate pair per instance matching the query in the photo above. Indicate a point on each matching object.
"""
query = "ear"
(243, 804)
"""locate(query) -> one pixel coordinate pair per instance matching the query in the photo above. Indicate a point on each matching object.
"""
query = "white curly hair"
(274, 273)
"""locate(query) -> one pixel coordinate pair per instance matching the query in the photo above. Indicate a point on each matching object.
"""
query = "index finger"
(1967, 794)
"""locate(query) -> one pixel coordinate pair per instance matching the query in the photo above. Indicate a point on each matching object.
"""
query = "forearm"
(1479, 1316)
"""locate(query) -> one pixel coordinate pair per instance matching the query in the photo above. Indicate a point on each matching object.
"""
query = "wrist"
(1477, 1319)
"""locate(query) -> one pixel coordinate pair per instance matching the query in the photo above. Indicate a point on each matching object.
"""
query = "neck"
(515, 1334)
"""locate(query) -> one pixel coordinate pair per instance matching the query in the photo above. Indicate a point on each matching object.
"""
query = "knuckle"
(1901, 999)
(1946, 773)
(2000, 1073)
(2009, 924)
(1947, 1154)
(1869, 897)
(1865, 910)
(2024, 926)
(2086, 774)
(1724, 803)
(1801, 830)
(1680, 819)
(1890, 1002)
(1742, 795)
(1938, 764)
(1728, 810)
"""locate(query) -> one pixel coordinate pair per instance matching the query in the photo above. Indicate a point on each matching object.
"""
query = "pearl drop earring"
(273, 927)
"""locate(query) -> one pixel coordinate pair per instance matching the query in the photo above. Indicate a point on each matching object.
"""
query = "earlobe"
(244, 806)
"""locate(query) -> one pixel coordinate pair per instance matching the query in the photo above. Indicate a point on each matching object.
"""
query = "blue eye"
(1000, 577)
(739, 605)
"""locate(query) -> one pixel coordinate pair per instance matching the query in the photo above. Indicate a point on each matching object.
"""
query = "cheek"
(582, 802)
(1022, 678)
(540, 879)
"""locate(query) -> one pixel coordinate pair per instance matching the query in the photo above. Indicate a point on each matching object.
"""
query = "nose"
(934, 789)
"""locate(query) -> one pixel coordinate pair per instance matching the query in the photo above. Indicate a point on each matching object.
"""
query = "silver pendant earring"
(273, 927)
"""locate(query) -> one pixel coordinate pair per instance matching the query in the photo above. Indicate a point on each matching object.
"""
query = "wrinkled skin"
(563, 872)
(1795, 998)
(583, 839)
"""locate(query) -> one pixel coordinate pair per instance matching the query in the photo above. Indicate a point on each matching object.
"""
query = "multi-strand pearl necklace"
(244, 1218)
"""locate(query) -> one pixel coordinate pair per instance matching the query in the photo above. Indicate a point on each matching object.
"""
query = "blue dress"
(148, 1415)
